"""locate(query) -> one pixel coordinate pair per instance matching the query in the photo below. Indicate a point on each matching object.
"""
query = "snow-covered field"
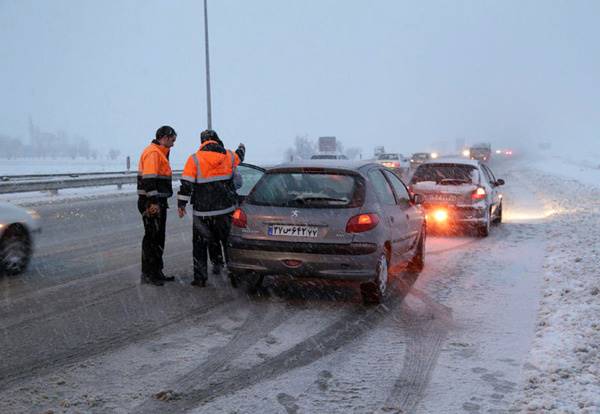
(61, 166)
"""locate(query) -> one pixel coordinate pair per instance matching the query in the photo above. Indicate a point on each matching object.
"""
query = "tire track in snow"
(426, 334)
(110, 340)
(344, 331)
(259, 322)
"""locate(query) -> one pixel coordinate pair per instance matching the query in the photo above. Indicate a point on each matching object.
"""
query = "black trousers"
(153, 243)
(210, 236)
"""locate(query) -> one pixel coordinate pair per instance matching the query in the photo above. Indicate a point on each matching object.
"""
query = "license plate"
(440, 197)
(293, 231)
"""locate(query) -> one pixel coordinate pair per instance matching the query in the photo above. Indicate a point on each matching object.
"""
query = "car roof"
(351, 165)
(453, 160)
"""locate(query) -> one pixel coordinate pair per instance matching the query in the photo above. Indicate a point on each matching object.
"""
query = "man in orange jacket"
(154, 188)
(208, 183)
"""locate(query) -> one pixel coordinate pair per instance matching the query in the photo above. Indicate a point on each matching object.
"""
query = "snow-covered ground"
(510, 323)
(585, 171)
(564, 363)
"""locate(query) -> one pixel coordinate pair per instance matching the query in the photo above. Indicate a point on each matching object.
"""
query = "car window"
(382, 187)
(308, 190)
(403, 198)
(486, 174)
(389, 157)
(249, 177)
(451, 174)
(490, 173)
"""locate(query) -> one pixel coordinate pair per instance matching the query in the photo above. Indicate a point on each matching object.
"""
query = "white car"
(17, 229)
(393, 161)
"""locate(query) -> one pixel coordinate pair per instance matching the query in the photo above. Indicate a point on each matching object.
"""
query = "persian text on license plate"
(294, 231)
(441, 197)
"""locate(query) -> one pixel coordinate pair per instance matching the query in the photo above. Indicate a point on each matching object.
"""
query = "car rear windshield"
(389, 157)
(446, 174)
(421, 156)
(308, 190)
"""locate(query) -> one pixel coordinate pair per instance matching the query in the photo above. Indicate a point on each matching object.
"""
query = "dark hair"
(209, 135)
(165, 131)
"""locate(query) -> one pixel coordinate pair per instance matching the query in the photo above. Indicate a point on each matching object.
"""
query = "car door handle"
(392, 219)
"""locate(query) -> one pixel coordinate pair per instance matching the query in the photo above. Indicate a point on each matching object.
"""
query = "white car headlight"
(34, 214)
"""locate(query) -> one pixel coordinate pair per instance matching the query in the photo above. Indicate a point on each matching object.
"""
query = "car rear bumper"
(457, 214)
(353, 262)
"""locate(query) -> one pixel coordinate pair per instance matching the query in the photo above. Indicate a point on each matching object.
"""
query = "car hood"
(13, 214)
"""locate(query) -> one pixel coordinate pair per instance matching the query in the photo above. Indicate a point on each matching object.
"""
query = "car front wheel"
(15, 251)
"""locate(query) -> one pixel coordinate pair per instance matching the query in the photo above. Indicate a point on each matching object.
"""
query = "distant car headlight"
(434, 155)
(466, 153)
(34, 214)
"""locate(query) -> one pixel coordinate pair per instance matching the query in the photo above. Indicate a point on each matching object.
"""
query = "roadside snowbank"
(585, 171)
(564, 363)
(38, 197)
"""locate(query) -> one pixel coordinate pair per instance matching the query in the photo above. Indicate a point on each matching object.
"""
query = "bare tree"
(303, 148)
(113, 154)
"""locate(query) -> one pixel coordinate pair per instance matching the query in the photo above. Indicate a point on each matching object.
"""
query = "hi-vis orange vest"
(154, 173)
(207, 181)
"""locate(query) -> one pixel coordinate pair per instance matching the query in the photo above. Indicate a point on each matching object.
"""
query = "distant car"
(17, 229)
(393, 161)
(459, 192)
(481, 152)
(345, 221)
(328, 157)
(419, 158)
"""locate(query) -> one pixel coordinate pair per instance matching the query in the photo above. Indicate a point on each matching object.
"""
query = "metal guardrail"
(53, 183)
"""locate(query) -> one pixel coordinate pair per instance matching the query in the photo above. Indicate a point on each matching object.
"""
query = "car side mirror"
(499, 182)
(418, 199)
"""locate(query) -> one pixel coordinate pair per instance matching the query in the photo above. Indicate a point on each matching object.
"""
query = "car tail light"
(239, 218)
(478, 194)
(362, 222)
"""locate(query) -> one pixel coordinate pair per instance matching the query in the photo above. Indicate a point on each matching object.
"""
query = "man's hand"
(153, 210)
(181, 212)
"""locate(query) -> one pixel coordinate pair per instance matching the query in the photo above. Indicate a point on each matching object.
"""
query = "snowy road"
(79, 334)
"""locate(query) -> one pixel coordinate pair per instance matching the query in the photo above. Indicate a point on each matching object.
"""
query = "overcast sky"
(406, 75)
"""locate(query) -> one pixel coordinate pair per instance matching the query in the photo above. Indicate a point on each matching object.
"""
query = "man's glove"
(241, 151)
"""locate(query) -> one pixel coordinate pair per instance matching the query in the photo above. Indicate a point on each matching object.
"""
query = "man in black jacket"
(207, 181)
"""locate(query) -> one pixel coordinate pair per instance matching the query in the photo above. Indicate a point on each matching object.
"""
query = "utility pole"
(208, 102)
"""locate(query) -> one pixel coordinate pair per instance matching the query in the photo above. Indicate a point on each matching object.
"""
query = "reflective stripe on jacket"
(154, 173)
(207, 180)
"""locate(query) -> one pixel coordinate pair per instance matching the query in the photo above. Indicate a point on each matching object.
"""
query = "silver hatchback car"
(336, 220)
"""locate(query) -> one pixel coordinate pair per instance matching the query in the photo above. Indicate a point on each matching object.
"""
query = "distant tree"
(11, 147)
(303, 148)
(113, 154)
(83, 147)
(353, 153)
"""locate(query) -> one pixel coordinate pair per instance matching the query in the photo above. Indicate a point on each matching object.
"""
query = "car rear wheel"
(498, 218)
(417, 263)
(483, 230)
(252, 282)
(15, 251)
(374, 292)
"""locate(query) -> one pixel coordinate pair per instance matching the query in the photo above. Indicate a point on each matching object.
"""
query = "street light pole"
(208, 102)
